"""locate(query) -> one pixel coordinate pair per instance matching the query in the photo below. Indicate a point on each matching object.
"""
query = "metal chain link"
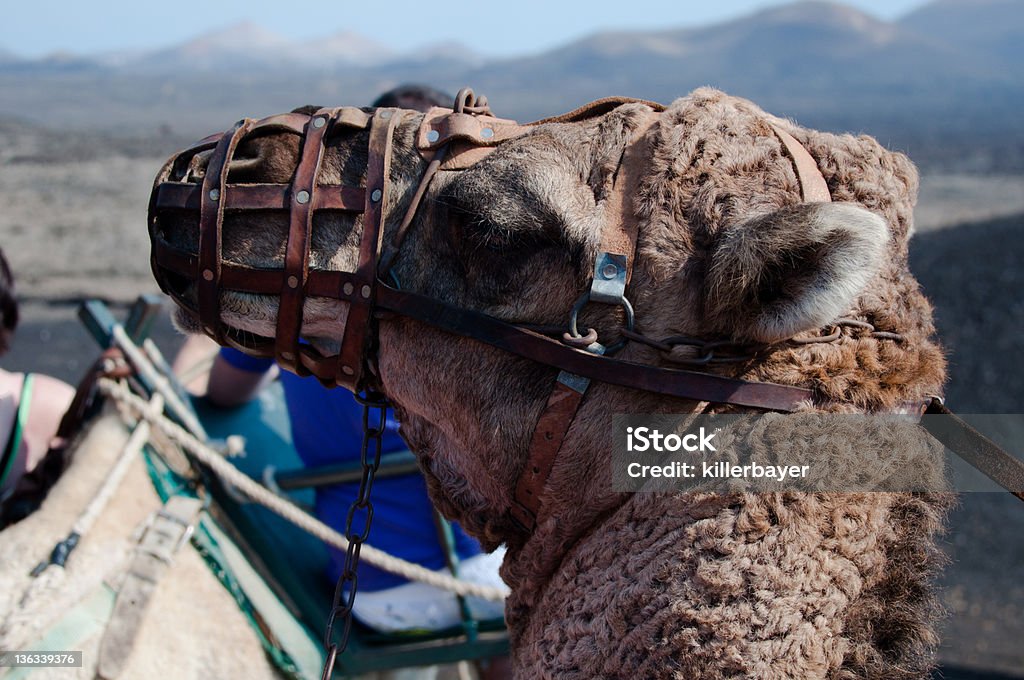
(726, 351)
(348, 581)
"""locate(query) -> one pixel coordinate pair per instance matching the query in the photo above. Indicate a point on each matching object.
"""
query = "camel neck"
(578, 498)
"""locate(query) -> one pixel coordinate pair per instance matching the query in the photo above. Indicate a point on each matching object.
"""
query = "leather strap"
(357, 324)
(596, 108)
(441, 126)
(620, 226)
(182, 196)
(211, 223)
(975, 448)
(613, 268)
(549, 352)
(813, 188)
(168, 530)
(545, 444)
(296, 260)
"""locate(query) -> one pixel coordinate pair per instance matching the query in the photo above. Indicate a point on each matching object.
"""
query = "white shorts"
(417, 606)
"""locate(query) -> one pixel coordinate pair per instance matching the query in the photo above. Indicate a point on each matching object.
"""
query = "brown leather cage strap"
(296, 259)
(185, 196)
(351, 358)
(211, 223)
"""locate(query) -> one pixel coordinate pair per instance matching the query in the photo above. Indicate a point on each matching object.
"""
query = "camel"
(648, 585)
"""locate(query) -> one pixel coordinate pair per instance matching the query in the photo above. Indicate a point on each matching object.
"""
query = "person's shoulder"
(51, 397)
(10, 382)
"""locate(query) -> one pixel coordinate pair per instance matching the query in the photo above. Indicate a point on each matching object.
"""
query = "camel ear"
(792, 270)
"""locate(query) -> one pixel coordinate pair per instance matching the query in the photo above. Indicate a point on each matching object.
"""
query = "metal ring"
(582, 301)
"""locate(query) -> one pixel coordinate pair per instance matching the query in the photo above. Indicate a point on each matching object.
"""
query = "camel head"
(727, 251)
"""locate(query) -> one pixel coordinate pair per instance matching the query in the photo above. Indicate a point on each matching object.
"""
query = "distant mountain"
(344, 47)
(803, 49)
(244, 45)
(248, 48)
(949, 69)
(994, 28)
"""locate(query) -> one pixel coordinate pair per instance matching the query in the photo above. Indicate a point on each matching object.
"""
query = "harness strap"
(813, 188)
(596, 108)
(545, 444)
(556, 354)
(441, 126)
(167, 531)
(211, 223)
(975, 448)
(613, 269)
(296, 260)
(351, 361)
(185, 196)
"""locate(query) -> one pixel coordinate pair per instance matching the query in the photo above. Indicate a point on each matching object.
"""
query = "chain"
(348, 582)
(697, 352)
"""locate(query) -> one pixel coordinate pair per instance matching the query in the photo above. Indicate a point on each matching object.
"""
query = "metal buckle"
(164, 532)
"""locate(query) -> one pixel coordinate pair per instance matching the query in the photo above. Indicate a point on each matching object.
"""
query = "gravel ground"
(77, 230)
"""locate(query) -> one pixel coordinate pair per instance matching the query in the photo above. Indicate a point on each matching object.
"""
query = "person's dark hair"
(416, 97)
(8, 305)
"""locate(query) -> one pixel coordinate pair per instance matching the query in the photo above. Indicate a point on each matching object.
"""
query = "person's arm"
(228, 382)
(230, 385)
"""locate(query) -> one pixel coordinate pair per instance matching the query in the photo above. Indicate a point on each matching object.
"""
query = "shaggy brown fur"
(654, 585)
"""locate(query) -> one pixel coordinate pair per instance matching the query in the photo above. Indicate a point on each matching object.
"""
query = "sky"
(490, 27)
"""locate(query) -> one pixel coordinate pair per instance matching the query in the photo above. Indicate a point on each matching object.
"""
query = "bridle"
(448, 139)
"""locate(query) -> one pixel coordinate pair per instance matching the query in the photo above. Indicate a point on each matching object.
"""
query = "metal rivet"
(365, 291)
(385, 115)
(287, 356)
(302, 197)
(319, 122)
(609, 271)
(214, 194)
(208, 274)
(347, 370)
(375, 196)
(293, 282)
(433, 136)
(487, 133)
(348, 288)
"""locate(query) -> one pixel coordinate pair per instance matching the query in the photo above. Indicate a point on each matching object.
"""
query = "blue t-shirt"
(327, 427)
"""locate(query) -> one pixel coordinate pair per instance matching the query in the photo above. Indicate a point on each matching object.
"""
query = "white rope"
(141, 363)
(132, 448)
(288, 510)
(26, 620)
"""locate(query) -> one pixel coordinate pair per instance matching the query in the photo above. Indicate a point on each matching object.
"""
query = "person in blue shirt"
(326, 430)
